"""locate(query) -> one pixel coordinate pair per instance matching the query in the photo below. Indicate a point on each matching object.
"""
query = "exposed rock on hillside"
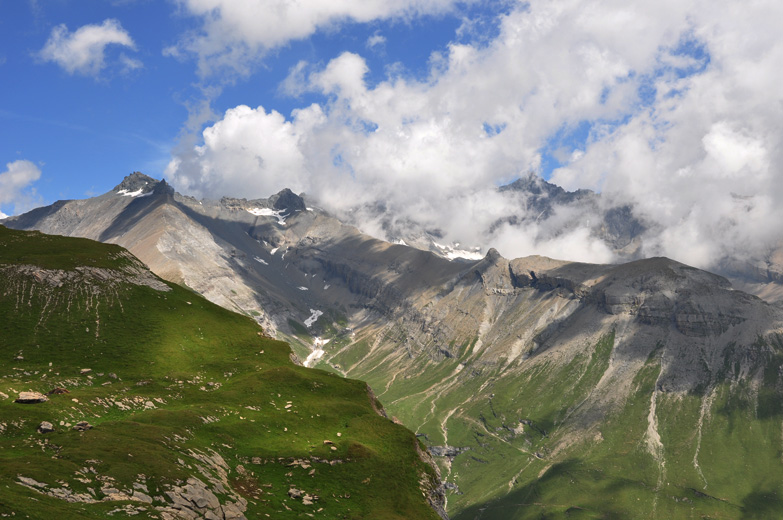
(31, 398)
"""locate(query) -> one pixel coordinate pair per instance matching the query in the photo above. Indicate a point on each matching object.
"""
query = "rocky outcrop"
(31, 398)
(300, 494)
(447, 451)
(82, 426)
(62, 493)
(135, 274)
(195, 500)
(431, 485)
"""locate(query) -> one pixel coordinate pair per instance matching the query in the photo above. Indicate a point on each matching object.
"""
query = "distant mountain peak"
(493, 255)
(537, 187)
(137, 184)
(287, 200)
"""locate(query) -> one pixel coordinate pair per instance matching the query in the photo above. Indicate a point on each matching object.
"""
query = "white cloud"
(15, 185)
(233, 144)
(3, 215)
(236, 32)
(732, 153)
(83, 51)
(376, 40)
(700, 156)
(130, 64)
(704, 163)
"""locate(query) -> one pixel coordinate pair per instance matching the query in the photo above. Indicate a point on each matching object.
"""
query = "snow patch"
(303, 288)
(260, 260)
(317, 353)
(400, 242)
(267, 212)
(273, 251)
(313, 317)
(314, 356)
(262, 212)
(326, 286)
(137, 193)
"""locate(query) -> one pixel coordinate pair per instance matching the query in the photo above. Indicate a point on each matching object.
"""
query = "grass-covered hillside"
(191, 411)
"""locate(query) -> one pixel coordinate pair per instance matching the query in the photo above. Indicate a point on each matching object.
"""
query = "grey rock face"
(662, 292)
(287, 200)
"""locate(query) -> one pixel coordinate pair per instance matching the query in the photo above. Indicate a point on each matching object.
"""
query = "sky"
(426, 106)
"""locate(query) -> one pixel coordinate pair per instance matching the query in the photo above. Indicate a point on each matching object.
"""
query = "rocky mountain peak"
(137, 183)
(493, 255)
(287, 200)
(537, 187)
(163, 187)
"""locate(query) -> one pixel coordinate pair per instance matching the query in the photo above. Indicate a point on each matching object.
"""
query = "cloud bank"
(84, 50)
(15, 183)
(672, 107)
(234, 34)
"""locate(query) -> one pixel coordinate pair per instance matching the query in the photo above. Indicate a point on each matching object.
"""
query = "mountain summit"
(136, 184)
(287, 200)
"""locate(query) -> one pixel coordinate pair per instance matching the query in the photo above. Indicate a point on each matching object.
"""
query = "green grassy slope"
(533, 453)
(559, 440)
(178, 389)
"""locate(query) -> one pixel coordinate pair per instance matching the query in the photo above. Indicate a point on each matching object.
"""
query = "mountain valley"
(542, 388)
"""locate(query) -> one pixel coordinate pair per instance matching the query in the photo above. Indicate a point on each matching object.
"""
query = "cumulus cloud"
(703, 163)
(83, 51)
(15, 186)
(233, 144)
(237, 32)
(681, 102)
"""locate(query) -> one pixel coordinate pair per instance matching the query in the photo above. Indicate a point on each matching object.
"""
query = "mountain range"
(543, 388)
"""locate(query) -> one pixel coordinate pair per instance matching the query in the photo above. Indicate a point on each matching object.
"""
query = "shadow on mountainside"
(574, 489)
(137, 209)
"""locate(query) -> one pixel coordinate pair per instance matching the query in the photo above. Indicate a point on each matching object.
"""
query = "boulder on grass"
(31, 398)
(82, 426)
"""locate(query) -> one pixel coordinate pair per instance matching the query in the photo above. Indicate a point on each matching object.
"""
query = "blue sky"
(85, 130)
(671, 106)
